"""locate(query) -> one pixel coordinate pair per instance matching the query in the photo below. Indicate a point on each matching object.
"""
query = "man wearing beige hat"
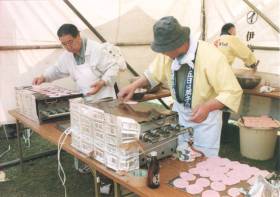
(200, 80)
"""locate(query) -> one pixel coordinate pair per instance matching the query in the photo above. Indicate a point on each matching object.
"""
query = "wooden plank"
(256, 91)
(159, 94)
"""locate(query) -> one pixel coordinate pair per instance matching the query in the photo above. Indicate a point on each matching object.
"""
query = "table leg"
(117, 190)
(96, 181)
(19, 145)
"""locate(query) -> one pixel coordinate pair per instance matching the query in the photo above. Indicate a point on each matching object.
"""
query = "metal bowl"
(248, 81)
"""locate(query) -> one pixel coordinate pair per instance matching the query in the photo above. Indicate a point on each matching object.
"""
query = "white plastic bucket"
(257, 143)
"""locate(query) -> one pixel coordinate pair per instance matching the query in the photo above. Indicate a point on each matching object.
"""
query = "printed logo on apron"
(188, 88)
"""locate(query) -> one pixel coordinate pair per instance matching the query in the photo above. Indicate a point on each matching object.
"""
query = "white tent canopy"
(32, 22)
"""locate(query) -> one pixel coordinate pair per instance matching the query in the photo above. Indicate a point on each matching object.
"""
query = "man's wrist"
(103, 82)
(252, 66)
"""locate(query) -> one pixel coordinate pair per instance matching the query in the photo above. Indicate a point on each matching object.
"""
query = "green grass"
(40, 178)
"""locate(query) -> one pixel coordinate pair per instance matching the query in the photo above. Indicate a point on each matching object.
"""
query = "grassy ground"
(40, 176)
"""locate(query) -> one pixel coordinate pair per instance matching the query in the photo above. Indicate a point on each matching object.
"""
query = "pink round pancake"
(263, 173)
(254, 170)
(180, 183)
(244, 175)
(194, 189)
(194, 170)
(202, 165)
(224, 162)
(187, 176)
(204, 173)
(230, 180)
(203, 182)
(218, 186)
(210, 193)
(217, 177)
(220, 169)
(233, 164)
(233, 192)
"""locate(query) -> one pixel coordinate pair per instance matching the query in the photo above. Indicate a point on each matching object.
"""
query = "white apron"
(206, 134)
(84, 77)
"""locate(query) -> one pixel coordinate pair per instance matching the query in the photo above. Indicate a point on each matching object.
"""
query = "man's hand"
(200, 113)
(254, 67)
(126, 93)
(94, 88)
(38, 80)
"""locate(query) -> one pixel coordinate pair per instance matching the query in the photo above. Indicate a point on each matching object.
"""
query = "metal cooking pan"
(248, 81)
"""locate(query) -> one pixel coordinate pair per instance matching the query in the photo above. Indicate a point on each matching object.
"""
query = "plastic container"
(138, 177)
(257, 143)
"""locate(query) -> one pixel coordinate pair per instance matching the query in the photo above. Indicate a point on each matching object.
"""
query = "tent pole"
(71, 6)
(30, 47)
(132, 44)
(203, 20)
(265, 48)
(58, 46)
(275, 27)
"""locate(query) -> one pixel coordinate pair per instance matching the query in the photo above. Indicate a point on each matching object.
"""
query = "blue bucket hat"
(169, 35)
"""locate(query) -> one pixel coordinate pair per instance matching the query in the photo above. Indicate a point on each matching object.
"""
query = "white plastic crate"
(129, 163)
(86, 147)
(111, 130)
(111, 119)
(75, 141)
(99, 155)
(99, 135)
(128, 124)
(93, 113)
(98, 125)
(75, 120)
(86, 125)
(26, 103)
(122, 136)
(112, 140)
(117, 150)
(99, 144)
(119, 163)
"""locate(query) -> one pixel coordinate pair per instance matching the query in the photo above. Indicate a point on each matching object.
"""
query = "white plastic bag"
(262, 188)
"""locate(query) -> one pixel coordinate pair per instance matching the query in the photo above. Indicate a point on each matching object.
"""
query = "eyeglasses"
(68, 43)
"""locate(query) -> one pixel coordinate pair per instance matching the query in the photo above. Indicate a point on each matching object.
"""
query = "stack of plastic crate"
(110, 139)
(83, 121)
(121, 149)
(26, 104)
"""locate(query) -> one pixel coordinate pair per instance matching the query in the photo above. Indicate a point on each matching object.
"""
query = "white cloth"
(84, 78)
(98, 65)
(206, 134)
(186, 58)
